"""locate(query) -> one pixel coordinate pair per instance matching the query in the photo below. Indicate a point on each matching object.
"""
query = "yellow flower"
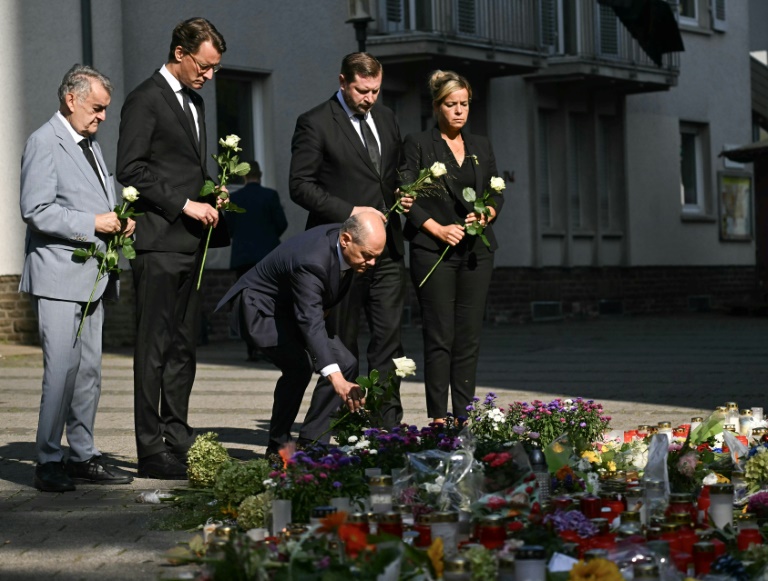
(591, 456)
(557, 447)
(595, 570)
(612, 466)
(435, 554)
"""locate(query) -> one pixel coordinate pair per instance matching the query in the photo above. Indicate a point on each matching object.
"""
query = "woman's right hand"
(451, 234)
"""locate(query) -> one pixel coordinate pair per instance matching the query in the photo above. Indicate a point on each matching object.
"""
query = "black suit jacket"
(285, 296)
(331, 171)
(421, 150)
(157, 154)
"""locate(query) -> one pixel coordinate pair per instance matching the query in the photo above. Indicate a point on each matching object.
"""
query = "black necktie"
(188, 111)
(84, 145)
(370, 142)
(346, 281)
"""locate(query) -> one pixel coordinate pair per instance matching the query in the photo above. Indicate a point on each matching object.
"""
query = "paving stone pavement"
(643, 370)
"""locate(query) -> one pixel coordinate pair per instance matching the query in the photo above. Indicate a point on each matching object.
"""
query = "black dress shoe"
(51, 477)
(94, 471)
(162, 466)
(180, 456)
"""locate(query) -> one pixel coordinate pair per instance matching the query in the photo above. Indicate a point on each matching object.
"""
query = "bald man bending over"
(279, 307)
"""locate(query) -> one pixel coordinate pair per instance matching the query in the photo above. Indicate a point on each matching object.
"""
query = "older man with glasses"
(162, 153)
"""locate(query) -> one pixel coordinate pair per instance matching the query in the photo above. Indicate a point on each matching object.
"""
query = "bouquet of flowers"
(229, 165)
(108, 260)
(756, 468)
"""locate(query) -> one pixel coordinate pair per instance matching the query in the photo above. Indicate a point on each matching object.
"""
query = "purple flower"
(534, 435)
(519, 430)
(337, 484)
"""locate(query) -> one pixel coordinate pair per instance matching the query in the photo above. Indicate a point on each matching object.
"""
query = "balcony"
(587, 42)
(494, 37)
(550, 40)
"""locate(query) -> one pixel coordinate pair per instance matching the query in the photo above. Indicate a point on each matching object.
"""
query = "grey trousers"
(71, 378)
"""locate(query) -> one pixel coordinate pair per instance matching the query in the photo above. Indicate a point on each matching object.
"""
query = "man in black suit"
(345, 158)
(279, 308)
(161, 152)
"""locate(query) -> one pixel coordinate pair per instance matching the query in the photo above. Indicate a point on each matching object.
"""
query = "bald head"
(362, 240)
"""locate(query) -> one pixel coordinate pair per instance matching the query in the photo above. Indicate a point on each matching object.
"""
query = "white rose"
(709, 479)
(230, 142)
(438, 169)
(373, 451)
(130, 194)
(498, 183)
(404, 367)
(352, 439)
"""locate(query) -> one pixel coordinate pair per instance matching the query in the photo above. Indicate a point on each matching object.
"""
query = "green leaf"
(208, 188)
(479, 207)
(241, 169)
(472, 229)
(82, 253)
(469, 194)
(374, 375)
(232, 207)
(129, 251)
(484, 239)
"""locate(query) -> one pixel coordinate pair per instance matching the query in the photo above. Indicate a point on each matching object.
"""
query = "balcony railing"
(561, 29)
(497, 23)
(586, 30)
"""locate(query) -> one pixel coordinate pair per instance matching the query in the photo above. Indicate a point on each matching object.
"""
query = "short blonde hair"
(443, 83)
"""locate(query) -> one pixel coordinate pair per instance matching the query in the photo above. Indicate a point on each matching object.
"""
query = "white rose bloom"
(404, 367)
(498, 183)
(130, 194)
(438, 169)
(230, 142)
(373, 452)
(709, 479)
(352, 439)
(361, 444)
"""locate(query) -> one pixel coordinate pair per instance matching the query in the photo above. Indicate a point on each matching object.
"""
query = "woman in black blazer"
(452, 300)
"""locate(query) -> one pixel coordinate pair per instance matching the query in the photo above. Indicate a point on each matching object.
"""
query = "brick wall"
(641, 290)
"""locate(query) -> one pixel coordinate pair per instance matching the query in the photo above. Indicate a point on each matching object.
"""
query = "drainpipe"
(87, 31)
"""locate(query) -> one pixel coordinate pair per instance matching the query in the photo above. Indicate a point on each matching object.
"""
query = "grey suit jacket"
(60, 195)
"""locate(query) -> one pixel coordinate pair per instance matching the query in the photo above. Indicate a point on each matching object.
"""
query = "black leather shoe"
(180, 456)
(162, 466)
(94, 471)
(51, 477)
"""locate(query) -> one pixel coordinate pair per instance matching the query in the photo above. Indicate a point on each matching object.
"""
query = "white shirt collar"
(175, 84)
(342, 263)
(347, 110)
(75, 135)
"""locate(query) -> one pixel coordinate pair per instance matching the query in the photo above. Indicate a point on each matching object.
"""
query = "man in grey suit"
(67, 196)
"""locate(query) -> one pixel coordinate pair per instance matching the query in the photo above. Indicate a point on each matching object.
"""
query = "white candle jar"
(721, 505)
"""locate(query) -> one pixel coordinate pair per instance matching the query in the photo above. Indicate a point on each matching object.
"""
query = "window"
(693, 168)
(689, 12)
(610, 164)
(546, 119)
(240, 110)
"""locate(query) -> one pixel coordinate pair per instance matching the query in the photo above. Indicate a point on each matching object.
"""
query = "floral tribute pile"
(544, 489)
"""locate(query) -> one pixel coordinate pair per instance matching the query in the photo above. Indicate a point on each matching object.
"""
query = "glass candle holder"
(445, 524)
(319, 513)
(457, 569)
(731, 412)
(666, 429)
(721, 505)
(281, 515)
(757, 413)
(380, 493)
(703, 556)
(746, 422)
(530, 563)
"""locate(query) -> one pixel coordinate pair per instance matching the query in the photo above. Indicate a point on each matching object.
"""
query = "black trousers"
(452, 305)
(295, 363)
(380, 294)
(168, 324)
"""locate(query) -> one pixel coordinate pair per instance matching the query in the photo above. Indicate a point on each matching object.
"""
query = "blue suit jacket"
(60, 196)
(285, 296)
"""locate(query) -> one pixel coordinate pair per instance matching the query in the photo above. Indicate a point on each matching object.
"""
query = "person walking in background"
(256, 232)
(67, 200)
(279, 306)
(162, 153)
(452, 300)
(345, 156)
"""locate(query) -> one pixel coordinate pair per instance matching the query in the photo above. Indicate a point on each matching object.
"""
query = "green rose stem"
(229, 165)
(439, 260)
(329, 429)
(100, 275)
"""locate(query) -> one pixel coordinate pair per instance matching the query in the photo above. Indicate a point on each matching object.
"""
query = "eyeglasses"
(205, 68)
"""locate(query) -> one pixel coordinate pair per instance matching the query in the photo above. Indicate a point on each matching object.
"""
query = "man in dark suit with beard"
(279, 308)
(345, 154)
(162, 153)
